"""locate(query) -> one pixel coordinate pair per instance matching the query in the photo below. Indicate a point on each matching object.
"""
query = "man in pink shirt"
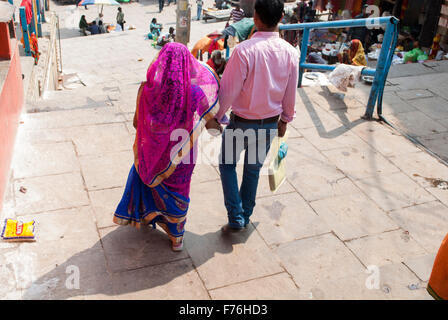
(259, 85)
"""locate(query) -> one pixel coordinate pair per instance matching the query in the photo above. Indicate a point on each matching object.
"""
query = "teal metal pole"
(338, 24)
(25, 31)
(387, 68)
(380, 74)
(303, 53)
(39, 19)
(44, 5)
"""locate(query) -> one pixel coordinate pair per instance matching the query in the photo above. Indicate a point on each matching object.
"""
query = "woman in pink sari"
(173, 105)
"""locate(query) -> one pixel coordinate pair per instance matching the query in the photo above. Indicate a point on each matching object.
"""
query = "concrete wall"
(11, 101)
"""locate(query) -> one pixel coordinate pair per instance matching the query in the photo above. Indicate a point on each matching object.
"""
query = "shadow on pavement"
(337, 104)
(127, 260)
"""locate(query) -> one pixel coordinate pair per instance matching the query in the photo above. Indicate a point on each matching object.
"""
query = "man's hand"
(282, 126)
(214, 127)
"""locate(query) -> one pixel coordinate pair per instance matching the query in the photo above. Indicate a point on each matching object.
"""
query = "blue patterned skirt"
(142, 205)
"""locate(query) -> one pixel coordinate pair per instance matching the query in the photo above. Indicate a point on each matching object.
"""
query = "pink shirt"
(260, 79)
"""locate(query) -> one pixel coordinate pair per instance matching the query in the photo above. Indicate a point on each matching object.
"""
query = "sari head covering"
(357, 56)
(180, 93)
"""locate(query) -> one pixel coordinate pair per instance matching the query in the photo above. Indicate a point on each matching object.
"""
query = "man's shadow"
(128, 260)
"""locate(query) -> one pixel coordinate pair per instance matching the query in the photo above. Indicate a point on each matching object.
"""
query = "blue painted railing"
(26, 31)
(384, 60)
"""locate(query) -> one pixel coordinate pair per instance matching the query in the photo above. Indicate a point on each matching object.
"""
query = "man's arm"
(232, 81)
(289, 99)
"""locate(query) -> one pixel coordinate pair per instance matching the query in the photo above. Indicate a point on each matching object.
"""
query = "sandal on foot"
(177, 246)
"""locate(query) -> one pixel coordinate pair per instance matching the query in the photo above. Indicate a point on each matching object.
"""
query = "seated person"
(207, 42)
(155, 28)
(83, 25)
(93, 28)
(355, 56)
(166, 37)
(225, 5)
(99, 18)
(102, 27)
(218, 4)
(217, 62)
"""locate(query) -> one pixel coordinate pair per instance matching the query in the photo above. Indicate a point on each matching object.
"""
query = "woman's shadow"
(127, 260)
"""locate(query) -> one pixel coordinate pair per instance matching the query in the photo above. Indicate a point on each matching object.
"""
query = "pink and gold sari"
(178, 99)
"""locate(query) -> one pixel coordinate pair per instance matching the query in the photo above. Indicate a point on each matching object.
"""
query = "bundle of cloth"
(243, 29)
(345, 76)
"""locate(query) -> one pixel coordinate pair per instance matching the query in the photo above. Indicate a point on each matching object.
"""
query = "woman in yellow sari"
(355, 56)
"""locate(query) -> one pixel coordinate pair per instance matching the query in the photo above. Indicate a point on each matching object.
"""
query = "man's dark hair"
(269, 11)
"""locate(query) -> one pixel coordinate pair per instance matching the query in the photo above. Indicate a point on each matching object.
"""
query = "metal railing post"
(384, 61)
(380, 79)
(39, 18)
(25, 31)
(303, 53)
(394, 25)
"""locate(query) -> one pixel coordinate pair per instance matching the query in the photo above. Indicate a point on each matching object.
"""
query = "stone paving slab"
(425, 170)
(399, 283)
(321, 260)
(287, 217)
(312, 115)
(57, 284)
(310, 174)
(392, 103)
(388, 247)
(45, 159)
(50, 193)
(26, 135)
(109, 170)
(437, 142)
(128, 248)
(360, 162)
(353, 216)
(383, 139)
(326, 141)
(414, 94)
(101, 139)
(104, 203)
(79, 117)
(421, 266)
(244, 256)
(427, 223)
(8, 289)
(205, 173)
(394, 191)
(434, 107)
(275, 287)
(416, 123)
(176, 280)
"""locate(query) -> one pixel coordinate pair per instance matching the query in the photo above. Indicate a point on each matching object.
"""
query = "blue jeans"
(256, 140)
(199, 12)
